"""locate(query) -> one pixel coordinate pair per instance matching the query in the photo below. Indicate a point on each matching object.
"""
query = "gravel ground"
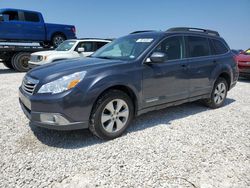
(185, 146)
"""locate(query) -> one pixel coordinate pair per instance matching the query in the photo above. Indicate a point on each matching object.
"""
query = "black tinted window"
(31, 17)
(219, 47)
(88, 46)
(100, 44)
(11, 15)
(197, 46)
(172, 47)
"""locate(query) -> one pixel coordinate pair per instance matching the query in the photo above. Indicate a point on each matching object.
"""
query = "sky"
(114, 18)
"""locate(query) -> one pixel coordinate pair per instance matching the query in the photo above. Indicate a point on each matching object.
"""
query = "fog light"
(55, 119)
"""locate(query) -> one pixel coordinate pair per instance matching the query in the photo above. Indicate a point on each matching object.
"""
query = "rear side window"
(100, 44)
(31, 17)
(172, 47)
(197, 46)
(219, 47)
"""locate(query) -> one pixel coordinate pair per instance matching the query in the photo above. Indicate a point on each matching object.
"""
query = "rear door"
(201, 64)
(32, 26)
(167, 81)
(10, 28)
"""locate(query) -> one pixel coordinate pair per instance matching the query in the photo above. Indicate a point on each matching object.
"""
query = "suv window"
(88, 46)
(100, 44)
(197, 46)
(219, 47)
(172, 47)
(12, 15)
(31, 17)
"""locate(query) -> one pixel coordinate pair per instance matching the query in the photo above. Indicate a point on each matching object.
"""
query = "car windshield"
(125, 48)
(247, 52)
(65, 46)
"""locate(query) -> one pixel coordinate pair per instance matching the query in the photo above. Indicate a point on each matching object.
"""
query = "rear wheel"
(20, 61)
(111, 115)
(218, 95)
(57, 39)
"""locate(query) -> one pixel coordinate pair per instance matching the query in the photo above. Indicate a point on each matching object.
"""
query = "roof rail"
(141, 31)
(192, 29)
(95, 39)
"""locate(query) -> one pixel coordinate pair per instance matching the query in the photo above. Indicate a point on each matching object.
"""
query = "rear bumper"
(244, 71)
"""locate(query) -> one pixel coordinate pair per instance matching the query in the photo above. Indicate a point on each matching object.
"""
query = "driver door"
(166, 81)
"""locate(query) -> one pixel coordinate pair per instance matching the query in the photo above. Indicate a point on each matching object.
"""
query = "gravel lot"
(185, 146)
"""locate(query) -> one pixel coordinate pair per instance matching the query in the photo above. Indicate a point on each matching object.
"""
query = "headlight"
(63, 84)
(39, 58)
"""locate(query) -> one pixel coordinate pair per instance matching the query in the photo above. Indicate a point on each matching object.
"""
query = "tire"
(109, 125)
(8, 64)
(57, 39)
(219, 94)
(20, 61)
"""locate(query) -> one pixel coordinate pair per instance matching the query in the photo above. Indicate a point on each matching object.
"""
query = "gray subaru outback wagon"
(138, 73)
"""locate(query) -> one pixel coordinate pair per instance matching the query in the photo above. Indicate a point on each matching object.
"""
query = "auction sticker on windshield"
(147, 40)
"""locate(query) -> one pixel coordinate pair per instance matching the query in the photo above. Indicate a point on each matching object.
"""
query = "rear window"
(197, 46)
(31, 17)
(219, 47)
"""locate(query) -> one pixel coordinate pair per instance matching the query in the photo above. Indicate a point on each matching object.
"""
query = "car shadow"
(244, 79)
(7, 71)
(83, 138)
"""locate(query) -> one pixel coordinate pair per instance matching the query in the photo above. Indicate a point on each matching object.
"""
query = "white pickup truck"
(69, 49)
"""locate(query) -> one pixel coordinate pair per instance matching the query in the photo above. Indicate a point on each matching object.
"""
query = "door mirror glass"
(157, 57)
(81, 49)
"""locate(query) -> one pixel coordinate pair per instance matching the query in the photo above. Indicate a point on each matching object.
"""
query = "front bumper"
(51, 114)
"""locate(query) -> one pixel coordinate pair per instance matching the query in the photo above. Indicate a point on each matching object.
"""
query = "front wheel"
(218, 95)
(111, 115)
(20, 61)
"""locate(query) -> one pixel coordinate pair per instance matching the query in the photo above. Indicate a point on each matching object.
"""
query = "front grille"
(29, 84)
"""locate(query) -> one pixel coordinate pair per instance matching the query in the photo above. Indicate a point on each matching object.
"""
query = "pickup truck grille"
(29, 84)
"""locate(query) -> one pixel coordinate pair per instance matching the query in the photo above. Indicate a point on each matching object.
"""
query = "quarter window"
(219, 47)
(172, 47)
(197, 46)
(31, 17)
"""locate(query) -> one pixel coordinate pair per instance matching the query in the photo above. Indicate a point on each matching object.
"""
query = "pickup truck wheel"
(111, 115)
(20, 61)
(218, 95)
(8, 64)
(57, 39)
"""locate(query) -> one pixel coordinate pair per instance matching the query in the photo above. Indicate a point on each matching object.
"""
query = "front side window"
(65, 46)
(172, 47)
(197, 46)
(125, 48)
(88, 46)
(31, 17)
(11, 15)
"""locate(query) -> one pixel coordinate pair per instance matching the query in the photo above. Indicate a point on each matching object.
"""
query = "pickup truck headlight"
(63, 84)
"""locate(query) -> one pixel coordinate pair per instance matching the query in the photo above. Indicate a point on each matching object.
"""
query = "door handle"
(185, 66)
(214, 61)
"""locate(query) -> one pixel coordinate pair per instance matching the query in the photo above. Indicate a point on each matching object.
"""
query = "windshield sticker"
(147, 40)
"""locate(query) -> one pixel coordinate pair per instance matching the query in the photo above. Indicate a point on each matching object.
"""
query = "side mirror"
(80, 50)
(157, 57)
(1, 18)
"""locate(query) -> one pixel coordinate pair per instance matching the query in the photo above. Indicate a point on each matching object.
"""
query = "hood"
(51, 52)
(243, 57)
(58, 69)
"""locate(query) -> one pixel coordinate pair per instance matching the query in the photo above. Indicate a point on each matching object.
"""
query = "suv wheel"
(218, 95)
(111, 115)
